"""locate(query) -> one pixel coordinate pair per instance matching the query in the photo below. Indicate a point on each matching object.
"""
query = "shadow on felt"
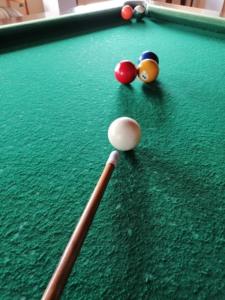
(132, 223)
(147, 104)
(186, 182)
(154, 92)
(147, 186)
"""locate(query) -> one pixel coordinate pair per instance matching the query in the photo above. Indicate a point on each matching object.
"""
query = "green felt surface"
(159, 232)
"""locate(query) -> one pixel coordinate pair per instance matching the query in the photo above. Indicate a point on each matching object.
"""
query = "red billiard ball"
(125, 71)
(127, 12)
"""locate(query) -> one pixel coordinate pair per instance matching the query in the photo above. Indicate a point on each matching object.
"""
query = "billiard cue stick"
(71, 252)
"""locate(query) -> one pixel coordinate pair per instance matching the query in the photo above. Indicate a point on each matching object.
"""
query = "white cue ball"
(140, 9)
(124, 133)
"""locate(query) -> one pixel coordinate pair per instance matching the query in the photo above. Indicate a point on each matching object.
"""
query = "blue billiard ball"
(149, 55)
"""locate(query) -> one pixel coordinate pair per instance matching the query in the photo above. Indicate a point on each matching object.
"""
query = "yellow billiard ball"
(148, 70)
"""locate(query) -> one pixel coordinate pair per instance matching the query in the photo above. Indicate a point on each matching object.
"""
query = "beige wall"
(56, 6)
(2, 3)
(214, 5)
(35, 6)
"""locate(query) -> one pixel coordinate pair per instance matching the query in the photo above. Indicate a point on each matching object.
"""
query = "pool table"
(159, 232)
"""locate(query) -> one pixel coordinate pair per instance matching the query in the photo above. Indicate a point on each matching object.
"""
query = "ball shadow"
(155, 95)
(133, 223)
(131, 157)
(126, 95)
(154, 92)
(155, 192)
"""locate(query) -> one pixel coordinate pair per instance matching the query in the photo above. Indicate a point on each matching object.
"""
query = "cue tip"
(113, 158)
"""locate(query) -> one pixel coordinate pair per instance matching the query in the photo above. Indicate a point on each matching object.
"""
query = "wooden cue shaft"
(71, 252)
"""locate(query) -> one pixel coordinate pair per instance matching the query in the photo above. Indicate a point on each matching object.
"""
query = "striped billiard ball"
(148, 70)
(139, 12)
